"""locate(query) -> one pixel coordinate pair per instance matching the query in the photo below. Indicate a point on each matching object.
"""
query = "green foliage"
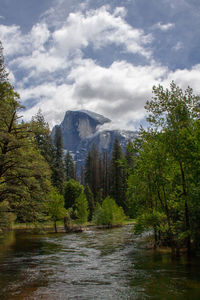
(164, 186)
(92, 171)
(118, 176)
(90, 199)
(6, 216)
(24, 173)
(55, 207)
(58, 176)
(69, 167)
(81, 206)
(109, 213)
(42, 137)
(72, 190)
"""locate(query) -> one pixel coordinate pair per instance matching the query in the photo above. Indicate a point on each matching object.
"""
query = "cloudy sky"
(99, 55)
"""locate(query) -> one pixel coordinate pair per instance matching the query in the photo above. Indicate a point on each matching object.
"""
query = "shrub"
(109, 213)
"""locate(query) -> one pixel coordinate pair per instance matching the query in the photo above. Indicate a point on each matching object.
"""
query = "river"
(96, 264)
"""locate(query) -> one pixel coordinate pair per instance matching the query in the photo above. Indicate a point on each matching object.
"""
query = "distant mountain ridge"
(81, 129)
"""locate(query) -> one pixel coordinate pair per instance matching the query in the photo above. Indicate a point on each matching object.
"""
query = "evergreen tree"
(117, 176)
(129, 157)
(42, 136)
(69, 167)
(92, 171)
(90, 200)
(58, 175)
(105, 175)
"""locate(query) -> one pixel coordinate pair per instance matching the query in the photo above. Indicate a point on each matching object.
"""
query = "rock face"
(79, 125)
(81, 129)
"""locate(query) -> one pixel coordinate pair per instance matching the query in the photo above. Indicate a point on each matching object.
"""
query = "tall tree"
(24, 175)
(42, 137)
(117, 176)
(167, 167)
(58, 176)
(92, 171)
(70, 172)
(90, 200)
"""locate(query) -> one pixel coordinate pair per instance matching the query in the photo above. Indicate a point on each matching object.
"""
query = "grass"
(50, 225)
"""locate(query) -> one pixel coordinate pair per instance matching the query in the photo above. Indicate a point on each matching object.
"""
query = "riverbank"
(49, 227)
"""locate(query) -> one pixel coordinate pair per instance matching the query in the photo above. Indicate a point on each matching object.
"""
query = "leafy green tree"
(72, 190)
(69, 167)
(109, 213)
(81, 205)
(165, 182)
(24, 175)
(55, 207)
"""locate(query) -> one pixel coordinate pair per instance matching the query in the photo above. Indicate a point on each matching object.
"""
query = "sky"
(100, 55)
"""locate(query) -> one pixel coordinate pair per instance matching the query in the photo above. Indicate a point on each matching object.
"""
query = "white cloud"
(41, 62)
(100, 28)
(163, 27)
(185, 78)
(118, 91)
(13, 42)
(43, 51)
(53, 100)
(39, 36)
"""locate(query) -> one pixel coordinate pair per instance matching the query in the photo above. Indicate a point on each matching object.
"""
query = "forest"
(156, 181)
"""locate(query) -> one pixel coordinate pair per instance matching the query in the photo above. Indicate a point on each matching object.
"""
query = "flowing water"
(95, 264)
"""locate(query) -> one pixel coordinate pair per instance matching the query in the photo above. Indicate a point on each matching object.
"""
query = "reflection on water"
(103, 264)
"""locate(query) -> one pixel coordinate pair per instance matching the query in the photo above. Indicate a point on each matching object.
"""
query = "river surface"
(96, 264)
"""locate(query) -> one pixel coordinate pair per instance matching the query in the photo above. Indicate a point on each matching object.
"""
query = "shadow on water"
(101, 264)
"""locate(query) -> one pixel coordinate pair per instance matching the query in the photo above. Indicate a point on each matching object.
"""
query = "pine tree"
(117, 176)
(58, 175)
(69, 167)
(90, 199)
(92, 175)
(42, 136)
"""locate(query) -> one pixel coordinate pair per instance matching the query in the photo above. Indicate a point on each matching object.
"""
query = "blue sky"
(99, 55)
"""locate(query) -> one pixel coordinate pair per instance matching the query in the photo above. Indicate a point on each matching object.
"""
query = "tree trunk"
(55, 227)
(187, 219)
